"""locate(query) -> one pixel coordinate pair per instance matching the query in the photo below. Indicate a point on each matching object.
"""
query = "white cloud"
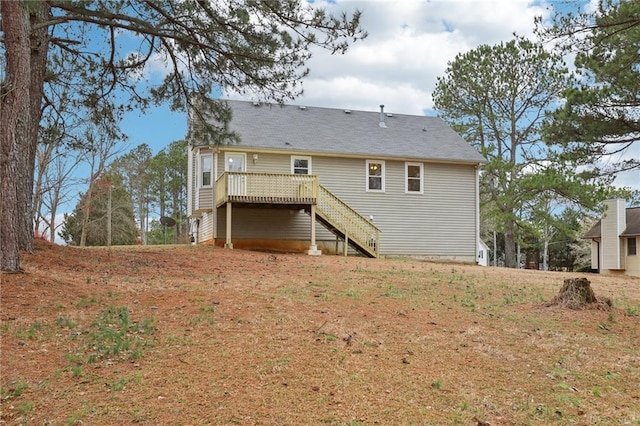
(408, 47)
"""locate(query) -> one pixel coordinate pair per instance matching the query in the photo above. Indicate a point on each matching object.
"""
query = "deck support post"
(346, 243)
(228, 244)
(313, 248)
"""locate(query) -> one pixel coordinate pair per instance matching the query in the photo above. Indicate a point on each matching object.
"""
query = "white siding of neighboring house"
(483, 253)
(633, 262)
(596, 252)
(613, 224)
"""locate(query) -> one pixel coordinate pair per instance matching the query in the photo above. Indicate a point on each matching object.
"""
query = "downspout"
(214, 209)
(190, 185)
(478, 214)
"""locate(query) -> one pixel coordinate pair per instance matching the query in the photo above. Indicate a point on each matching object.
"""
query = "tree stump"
(576, 293)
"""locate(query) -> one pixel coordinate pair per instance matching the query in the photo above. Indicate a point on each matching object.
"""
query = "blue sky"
(157, 127)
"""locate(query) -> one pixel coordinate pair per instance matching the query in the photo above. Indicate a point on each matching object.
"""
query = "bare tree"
(101, 150)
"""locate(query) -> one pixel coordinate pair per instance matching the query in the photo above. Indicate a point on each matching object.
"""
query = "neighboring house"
(336, 180)
(483, 253)
(614, 240)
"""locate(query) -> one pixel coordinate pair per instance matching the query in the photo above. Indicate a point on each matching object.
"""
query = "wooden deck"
(273, 190)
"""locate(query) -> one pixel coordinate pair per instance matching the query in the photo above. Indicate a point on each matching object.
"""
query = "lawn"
(202, 335)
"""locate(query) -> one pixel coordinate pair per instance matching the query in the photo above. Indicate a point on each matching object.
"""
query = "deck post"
(228, 244)
(346, 243)
(313, 248)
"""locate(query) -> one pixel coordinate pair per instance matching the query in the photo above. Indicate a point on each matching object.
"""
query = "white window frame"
(382, 177)
(406, 177)
(201, 170)
(228, 154)
(300, 157)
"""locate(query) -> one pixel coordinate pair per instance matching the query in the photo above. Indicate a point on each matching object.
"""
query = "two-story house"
(337, 181)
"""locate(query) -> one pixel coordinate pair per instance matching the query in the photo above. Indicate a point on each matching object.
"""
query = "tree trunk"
(109, 214)
(86, 210)
(14, 131)
(510, 246)
(52, 222)
(20, 97)
(39, 13)
(44, 161)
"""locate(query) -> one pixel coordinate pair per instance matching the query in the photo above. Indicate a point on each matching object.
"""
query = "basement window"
(631, 246)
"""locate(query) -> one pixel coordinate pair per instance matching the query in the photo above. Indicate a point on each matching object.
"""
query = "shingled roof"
(348, 132)
(632, 229)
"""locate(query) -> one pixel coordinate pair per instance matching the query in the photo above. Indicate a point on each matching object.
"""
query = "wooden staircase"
(346, 223)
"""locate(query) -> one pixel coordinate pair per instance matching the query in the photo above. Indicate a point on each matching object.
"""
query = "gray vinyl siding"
(265, 223)
(441, 222)
(205, 230)
(204, 197)
(191, 197)
(265, 163)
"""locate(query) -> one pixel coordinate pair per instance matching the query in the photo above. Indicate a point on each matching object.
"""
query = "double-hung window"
(375, 175)
(206, 170)
(414, 182)
(300, 165)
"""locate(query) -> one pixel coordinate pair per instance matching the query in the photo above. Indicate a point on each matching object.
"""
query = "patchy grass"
(200, 335)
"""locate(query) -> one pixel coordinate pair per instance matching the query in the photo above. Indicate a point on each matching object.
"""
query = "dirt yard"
(200, 335)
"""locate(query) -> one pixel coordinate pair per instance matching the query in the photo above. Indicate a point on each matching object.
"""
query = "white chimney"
(612, 225)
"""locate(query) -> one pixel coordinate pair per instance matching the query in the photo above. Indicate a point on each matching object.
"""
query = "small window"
(375, 175)
(206, 163)
(413, 182)
(301, 165)
(631, 246)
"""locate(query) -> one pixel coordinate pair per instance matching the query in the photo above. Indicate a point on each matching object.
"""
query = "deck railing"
(266, 188)
(350, 223)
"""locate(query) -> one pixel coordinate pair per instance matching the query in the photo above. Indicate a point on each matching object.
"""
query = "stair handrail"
(351, 223)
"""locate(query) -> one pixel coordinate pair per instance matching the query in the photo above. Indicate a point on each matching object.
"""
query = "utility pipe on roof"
(382, 123)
